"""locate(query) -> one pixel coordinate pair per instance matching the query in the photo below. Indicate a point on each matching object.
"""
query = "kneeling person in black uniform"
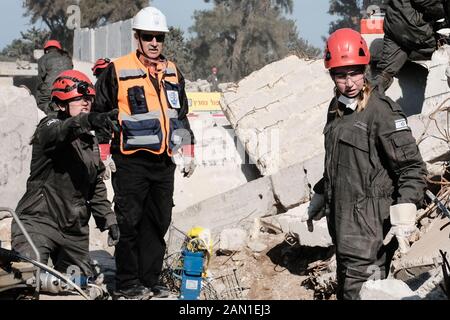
(65, 185)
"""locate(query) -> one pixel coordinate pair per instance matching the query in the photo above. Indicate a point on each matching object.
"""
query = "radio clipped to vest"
(137, 101)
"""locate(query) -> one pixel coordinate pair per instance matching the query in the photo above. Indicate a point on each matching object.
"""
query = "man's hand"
(403, 220)
(185, 158)
(316, 211)
(106, 120)
(113, 235)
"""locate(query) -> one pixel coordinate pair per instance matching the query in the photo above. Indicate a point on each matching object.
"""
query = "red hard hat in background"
(52, 43)
(72, 84)
(346, 47)
(99, 65)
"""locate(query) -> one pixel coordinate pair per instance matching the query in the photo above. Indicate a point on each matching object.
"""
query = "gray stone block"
(388, 289)
(237, 207)
(290, 222)
(18, 121)
(232, 239)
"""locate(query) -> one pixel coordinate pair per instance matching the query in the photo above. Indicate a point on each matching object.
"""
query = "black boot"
(160, 291)
(137, 292)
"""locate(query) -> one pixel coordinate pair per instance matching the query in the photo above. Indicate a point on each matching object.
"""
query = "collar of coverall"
(350, 103)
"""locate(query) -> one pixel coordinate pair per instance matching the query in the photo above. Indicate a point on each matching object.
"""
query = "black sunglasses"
(147, 37)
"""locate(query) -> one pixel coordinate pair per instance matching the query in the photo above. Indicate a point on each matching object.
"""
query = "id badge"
(174, 100)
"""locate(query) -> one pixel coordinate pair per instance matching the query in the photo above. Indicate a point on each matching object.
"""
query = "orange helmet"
(72, 84)
(52, 43)
(346, 47)
(99, 65)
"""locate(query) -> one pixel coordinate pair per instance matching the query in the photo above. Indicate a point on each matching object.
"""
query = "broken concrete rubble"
(232, 240)
(18, 121)
(424, 254)
(290, 223)
(387, 289)
(280, 124)
(268, 106)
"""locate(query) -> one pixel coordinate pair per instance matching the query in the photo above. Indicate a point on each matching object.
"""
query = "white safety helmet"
(150, 19)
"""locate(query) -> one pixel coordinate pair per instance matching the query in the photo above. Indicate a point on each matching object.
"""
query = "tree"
(177, 50)
(241, 36)
(93, 13)
(23, 48)
(350, 12)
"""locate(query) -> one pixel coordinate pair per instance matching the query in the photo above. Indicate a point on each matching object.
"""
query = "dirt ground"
(277, 273)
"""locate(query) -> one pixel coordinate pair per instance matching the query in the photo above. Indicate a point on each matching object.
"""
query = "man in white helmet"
(149, 92)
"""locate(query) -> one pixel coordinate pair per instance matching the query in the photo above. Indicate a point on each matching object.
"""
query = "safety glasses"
(147, 37)
(354, 76)
(83, 98)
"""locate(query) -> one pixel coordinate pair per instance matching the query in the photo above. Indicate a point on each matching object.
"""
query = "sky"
(310, 16)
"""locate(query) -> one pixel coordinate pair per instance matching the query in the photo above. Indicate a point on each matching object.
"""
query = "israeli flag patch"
(401, 124)
(173, 98)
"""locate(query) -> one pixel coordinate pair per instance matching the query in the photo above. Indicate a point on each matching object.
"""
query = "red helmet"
(52, 43)
(72, 84)
(99, 65)
(346, 47)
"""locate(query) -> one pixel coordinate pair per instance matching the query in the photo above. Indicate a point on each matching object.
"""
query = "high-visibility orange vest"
(148, 121)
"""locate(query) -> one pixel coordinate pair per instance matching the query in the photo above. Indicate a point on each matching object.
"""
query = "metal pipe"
(33, 246)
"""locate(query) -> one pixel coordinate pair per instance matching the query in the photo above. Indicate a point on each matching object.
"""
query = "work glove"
(105, 120)
(105, 155)
(184, 157)
(113, 235)
(403, 220)
(316, 211)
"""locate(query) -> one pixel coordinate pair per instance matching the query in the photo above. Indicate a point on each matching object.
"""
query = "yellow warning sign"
(204, 101)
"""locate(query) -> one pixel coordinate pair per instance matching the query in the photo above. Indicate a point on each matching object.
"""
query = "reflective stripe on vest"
(147, 120)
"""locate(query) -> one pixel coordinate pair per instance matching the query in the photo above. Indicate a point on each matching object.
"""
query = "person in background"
(409, 26)
(214, 80)
(99, 66)
(54, 61)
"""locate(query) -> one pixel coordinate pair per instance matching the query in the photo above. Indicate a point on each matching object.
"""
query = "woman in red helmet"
(65, 185)
(374, 174)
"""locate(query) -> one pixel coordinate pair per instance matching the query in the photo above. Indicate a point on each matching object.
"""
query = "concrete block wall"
(112, 41)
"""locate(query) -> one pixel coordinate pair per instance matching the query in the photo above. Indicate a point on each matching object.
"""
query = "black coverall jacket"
(64, 188)
(410, 22)
(371, 162)
(50, 65)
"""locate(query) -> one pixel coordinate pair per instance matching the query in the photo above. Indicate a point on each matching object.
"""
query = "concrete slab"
(17, 126)
(237, 207)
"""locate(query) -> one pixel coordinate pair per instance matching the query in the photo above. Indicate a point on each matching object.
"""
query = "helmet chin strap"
(141, 47)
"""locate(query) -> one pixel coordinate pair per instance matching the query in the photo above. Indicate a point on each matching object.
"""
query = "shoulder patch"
(401, 124)
(52, 121)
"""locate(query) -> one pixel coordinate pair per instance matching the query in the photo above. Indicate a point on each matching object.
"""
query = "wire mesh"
(227, 286)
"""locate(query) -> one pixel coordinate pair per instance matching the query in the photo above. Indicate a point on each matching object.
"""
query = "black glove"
(113, 235)
(106, 120)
